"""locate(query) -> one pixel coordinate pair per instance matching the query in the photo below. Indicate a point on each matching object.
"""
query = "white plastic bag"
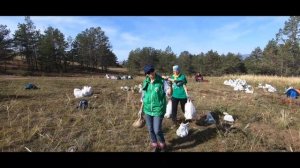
(190, 110)
(77, 93)
(228, 118)
(166, 86)
(183, 130)
(167, 89)
(169, 109)
(87, 91)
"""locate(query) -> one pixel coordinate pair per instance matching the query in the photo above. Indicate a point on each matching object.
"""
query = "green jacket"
(178, 90)
(154, 98)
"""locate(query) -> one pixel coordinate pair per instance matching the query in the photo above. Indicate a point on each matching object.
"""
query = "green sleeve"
(184, 80)
(145, 84)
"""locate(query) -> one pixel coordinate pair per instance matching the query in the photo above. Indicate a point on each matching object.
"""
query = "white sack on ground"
(77, 93)
(85, 91)
(183, 130)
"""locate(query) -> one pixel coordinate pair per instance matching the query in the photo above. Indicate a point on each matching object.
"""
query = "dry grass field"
(47, 119)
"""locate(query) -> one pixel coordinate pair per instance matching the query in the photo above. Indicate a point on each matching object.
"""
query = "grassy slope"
(47, 119)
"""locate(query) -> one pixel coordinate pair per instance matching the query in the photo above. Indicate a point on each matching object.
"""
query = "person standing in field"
(198, 77)
(180, 93)
(154, 107)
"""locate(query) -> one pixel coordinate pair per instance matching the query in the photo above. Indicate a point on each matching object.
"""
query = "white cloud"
(231, 32)
(58, 20)
(229, 27)
(110, 31)
(129, 39)
(71, 25)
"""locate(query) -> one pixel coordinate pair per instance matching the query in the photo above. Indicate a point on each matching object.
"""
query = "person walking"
(180, 93)
(154, 107)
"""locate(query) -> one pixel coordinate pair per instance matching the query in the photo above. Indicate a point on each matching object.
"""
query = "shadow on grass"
(194, 139)
(9, 97)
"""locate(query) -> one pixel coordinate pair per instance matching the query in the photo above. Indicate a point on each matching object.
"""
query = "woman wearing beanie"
(180, 93)
(154, 107)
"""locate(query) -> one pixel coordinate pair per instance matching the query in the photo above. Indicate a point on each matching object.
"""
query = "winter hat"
(148, 69)
(176, 68)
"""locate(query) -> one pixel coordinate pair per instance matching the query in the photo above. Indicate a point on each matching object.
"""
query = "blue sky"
(196, 34)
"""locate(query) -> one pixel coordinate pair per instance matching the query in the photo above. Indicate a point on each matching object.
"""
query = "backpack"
(292, 93)
(83, 104)
(30, 86)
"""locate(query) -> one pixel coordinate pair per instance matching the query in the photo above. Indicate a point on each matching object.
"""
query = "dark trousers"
(175, 102)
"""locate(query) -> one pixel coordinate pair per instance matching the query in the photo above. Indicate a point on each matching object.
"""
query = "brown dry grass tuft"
(47, 119)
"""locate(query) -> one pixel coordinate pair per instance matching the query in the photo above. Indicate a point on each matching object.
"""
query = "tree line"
(281, 56)
(50, 51)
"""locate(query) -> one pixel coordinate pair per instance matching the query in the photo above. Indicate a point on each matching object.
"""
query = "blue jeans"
(154, 125)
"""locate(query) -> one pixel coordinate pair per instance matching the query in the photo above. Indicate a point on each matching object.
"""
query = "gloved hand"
(166, 77)
(178, 82)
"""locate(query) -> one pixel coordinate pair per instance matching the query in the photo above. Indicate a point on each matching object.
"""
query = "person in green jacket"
(180, 93)
(154, 107)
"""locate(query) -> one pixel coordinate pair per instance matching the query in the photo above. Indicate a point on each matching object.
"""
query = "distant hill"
(18, 66)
